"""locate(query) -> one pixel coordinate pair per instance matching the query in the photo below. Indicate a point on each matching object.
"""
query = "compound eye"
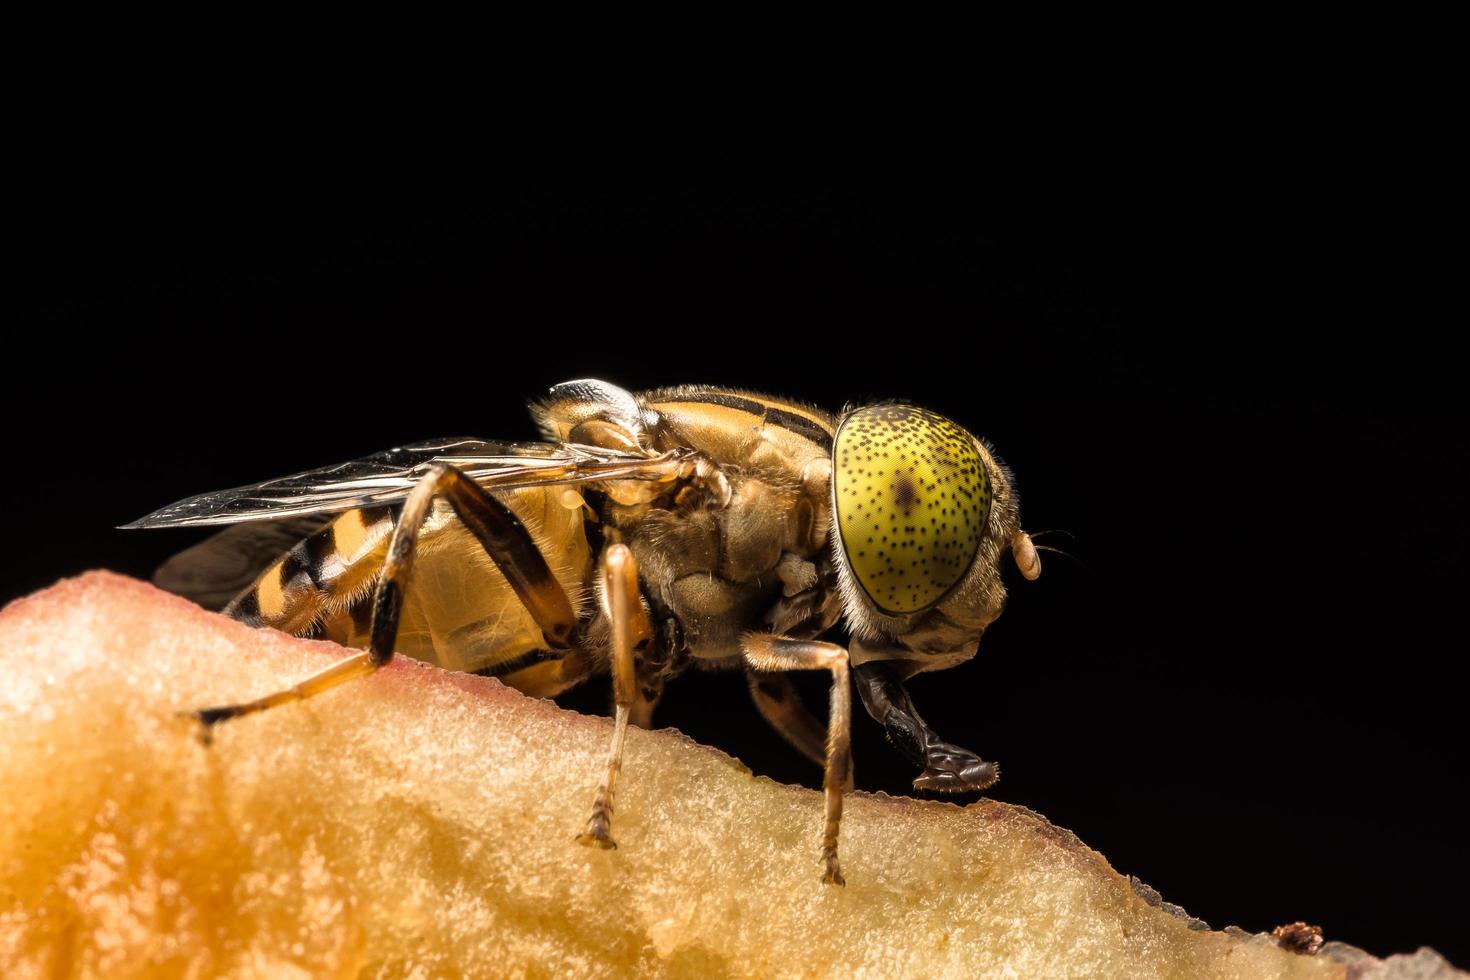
(912, 498)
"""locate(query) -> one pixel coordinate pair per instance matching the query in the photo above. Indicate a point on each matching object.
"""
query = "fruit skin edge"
(418, 821)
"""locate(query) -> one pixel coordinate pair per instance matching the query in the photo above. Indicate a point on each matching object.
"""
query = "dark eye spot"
(905, 494)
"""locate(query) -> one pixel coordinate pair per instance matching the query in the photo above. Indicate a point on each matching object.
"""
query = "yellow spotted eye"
(912, 498)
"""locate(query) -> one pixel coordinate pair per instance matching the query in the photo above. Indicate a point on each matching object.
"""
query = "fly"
(648, 533)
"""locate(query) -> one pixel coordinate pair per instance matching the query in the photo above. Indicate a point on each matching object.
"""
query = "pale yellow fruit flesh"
(421, 823)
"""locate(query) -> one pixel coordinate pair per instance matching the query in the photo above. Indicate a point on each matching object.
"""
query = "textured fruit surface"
(420, 823)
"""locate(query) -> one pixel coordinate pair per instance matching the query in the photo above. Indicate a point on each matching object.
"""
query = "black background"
(1214, 368)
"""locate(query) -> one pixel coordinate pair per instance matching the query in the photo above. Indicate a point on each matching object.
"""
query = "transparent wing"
(387, 478)
(221, 566)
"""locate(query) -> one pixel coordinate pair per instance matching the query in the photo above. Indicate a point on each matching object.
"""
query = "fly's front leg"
(504, 538)
(947, 768)
(764, 651)
(631, 631)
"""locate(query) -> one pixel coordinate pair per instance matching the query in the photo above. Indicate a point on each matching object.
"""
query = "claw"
(204, 730)
(208, 718)
(591, 838)
(951, 769)
(599, 828)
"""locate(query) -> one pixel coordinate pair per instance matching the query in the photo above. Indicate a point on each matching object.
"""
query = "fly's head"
(926, 515)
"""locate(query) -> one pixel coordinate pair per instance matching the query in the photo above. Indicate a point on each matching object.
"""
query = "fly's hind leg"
(631, 631)
(764, 651)
(504, 538)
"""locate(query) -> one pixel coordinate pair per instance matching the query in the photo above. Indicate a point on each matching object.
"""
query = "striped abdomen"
(459, 612)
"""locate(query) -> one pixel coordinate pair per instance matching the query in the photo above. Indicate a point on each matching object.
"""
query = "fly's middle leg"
(504, 538)
(631, 631)
(764, 651)
(780, 705)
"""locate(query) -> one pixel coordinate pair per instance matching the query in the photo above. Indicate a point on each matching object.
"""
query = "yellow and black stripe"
(747, 409)
(324, 573)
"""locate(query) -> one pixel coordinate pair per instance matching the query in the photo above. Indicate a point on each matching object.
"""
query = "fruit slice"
(421, 823)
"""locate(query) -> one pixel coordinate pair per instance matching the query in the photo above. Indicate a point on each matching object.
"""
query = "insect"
(688, 526)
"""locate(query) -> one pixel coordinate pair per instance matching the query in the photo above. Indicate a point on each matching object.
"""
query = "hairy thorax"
(717, 569)
(720, 570)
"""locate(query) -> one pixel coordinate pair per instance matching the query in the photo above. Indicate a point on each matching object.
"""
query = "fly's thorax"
(772, 439)
(735, 429)
(923, 513)
(714, 564)
(718, 569)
